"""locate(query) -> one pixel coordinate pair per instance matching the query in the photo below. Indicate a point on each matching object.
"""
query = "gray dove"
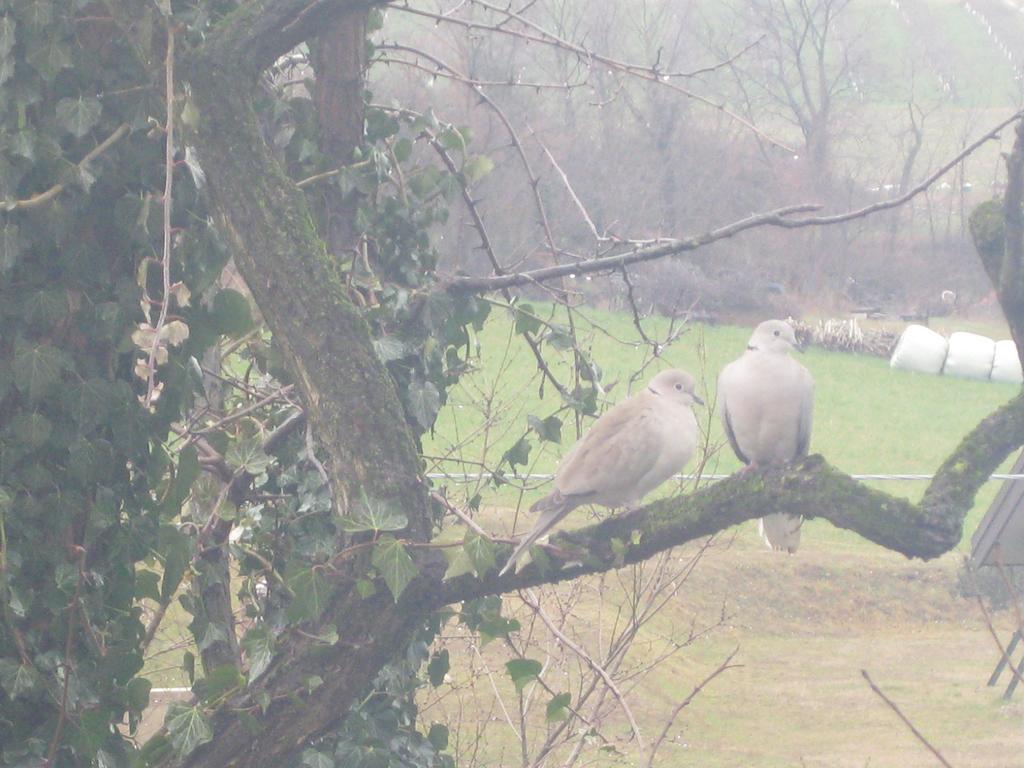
(767, 399)
(628, 452)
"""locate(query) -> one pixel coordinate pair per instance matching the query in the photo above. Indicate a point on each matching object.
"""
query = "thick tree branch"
(812, 488)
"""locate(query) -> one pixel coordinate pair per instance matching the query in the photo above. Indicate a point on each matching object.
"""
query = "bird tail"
(553, 508)
(781, 531)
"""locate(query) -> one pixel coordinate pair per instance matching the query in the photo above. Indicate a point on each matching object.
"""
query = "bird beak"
(696, 399)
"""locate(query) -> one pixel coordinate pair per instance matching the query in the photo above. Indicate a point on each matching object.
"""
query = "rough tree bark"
(354, 409)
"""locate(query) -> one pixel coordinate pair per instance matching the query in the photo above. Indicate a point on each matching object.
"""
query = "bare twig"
(780, 217)
(906, 721)
(686, 702)
(45, 197)
(530, 598)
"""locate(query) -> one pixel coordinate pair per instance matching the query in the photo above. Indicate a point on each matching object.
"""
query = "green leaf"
(549, 429)
(315, 759)
(187, 727)
(559, 337)
(394, 564)
(438, 667)
(89, 403)
(477, 167)
(526, 319)
(11, 246)
(37, 369)
(518, 454)
(217, 683)
(311, 591)
(424, 402)
(372, 514)
(402, 149)
(32, 429)
(522, 671)
(78, 115)
(147, 584)
(231, 314)
(259, 647)
(184, 477)
(246, 454)
(176, 549)
(480, 551)
(388, 348)
(438, 736)
(16, 678)
(136, 694)
(558, 708)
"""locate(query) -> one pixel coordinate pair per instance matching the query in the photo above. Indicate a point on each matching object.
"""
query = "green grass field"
(805, 625)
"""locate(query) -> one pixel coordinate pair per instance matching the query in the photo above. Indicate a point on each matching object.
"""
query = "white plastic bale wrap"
(970, 356)
(919, 349)
(1006, 365)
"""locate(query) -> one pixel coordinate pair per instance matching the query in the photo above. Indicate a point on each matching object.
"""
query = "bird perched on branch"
(628, 452)
(767, 399)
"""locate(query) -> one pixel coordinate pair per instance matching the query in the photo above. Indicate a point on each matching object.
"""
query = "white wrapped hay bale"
(1006, 364)
(919, 349)
(970, 356)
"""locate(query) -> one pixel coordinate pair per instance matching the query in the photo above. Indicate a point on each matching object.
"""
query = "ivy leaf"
(176, 549)
(187, 727)
(32, 429)
(136, 694)
(247, 454)
(315, 759)
(394, 564)
(559, 337)
(231, 314)
(518, 454)
(10, 246)
(89, 403)
(424, 402)
(311, 591)
(522, 671)
(478, 167)
(147, 585)
(459, 564)
(388, 348)
(549, 429)
(558, 708)
(78, 115)
(438, 667)
(526, 319)
(374, 515)
(16, 678)
(480, 552)
(438, 736)
(259, 647)
(37, 369)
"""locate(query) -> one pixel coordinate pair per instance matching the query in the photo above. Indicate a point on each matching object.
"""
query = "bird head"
(774, 336)
(677, 385)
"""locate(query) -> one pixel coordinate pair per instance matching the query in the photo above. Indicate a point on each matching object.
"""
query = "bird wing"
(619, 449)
(803, 435)
(730, 432)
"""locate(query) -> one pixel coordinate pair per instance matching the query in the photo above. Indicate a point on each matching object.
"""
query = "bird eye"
(776, 333)
(679, 386)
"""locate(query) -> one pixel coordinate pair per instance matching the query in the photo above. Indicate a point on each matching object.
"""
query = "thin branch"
(686, 702)
(43, 198)
(531, 600)
(906, 721)
(780, 217)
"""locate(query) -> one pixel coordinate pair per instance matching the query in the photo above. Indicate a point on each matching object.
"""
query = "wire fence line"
(470, 477)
